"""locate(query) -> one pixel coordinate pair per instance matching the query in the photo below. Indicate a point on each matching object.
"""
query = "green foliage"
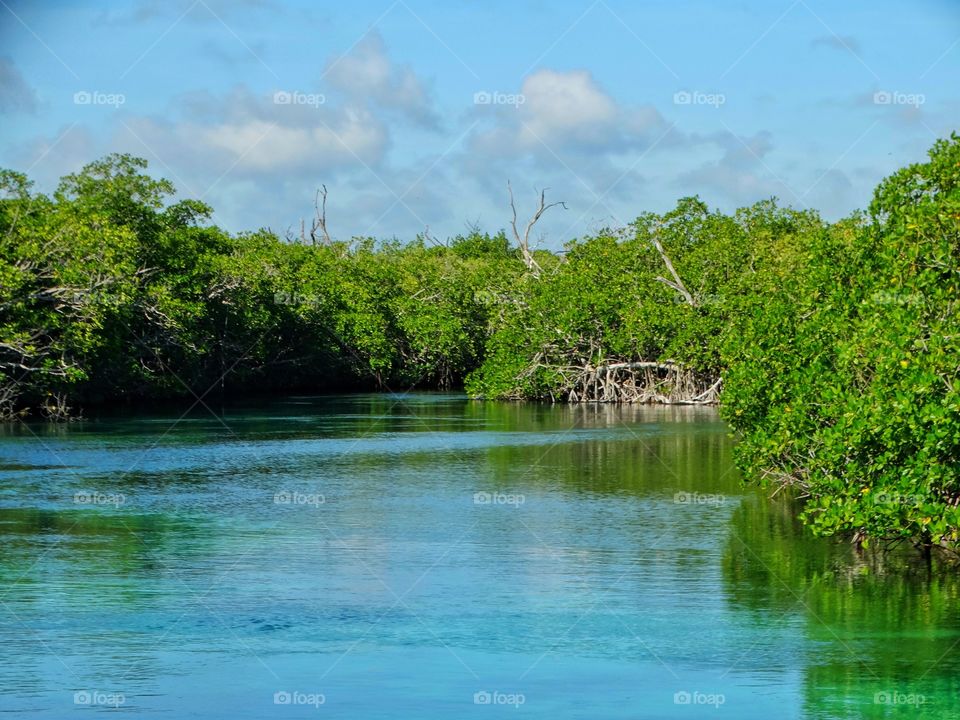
(844, 382)
(109, 290)
(608, 300)
(838, 344)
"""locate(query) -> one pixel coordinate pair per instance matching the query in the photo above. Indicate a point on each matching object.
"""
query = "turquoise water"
(423, 556)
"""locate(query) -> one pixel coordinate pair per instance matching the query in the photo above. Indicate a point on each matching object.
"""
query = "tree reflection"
(883, 633)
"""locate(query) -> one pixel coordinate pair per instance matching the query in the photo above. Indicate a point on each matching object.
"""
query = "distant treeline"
(834, 348)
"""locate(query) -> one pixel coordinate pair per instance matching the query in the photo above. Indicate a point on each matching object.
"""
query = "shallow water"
(424, 556)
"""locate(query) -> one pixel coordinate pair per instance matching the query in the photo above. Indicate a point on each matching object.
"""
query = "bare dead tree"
(524, 242)
(676, 283)
(320, 221)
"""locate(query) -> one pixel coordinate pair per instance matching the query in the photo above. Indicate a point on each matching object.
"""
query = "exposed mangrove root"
(666, 383)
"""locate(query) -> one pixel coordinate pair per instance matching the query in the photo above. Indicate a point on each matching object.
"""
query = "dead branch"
(524, 242)
(320, 221)
(676, 283)
(428, 236)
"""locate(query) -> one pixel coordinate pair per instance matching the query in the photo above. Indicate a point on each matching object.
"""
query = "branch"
(524, 242)
(513, 222)
(428, 236)
(677, 283)
(320, 221)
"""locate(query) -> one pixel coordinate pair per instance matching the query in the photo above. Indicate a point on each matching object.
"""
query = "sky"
(415, 114)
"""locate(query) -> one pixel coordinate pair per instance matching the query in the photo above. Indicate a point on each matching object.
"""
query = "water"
(423, 556)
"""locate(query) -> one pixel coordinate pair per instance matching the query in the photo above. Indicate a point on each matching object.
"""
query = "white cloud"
(566, 112)
(562, 130)
(367, 75)
(248, 145)
(243, 136)
(566, 108)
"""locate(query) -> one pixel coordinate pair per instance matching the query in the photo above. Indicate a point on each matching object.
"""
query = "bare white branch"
(523, 242)
(320, 221)
(676, 283)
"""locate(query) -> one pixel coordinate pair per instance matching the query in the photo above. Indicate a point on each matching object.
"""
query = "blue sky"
(416, 113)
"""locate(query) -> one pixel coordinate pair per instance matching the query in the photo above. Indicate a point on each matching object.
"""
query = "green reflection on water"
(882, 630)
(645, 494)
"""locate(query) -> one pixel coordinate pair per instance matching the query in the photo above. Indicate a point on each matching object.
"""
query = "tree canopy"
(834, 348)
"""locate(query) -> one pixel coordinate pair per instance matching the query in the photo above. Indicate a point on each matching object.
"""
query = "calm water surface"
(422, 556)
